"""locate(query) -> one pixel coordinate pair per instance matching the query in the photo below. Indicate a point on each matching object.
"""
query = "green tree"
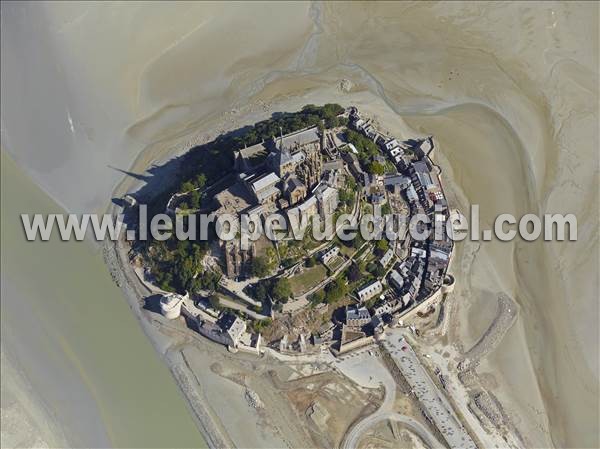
(207, 280)
(311, 261)
(200, 180)
(288, 262)
(197, 255)
(281, 290)
(261, 291)
(375, 168)
(214, 302)
(261, 325)
(353, 273)
(185, 271)
(181, 249)
(260, 266)
(331, 122)
(371, 267)
(165, 281)
(309, 109)
(336, 290)
(195, 199)
(187, 186)
(386, 209)
(331, 110)
(357, 241)
(350, 183)
(317, 297)
(346, 197)
(365, 147)
(381, 246)
(195, 284)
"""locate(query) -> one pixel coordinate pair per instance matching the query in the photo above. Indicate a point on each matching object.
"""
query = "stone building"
(303, 211)
(283, 168)
(233, 327)
(250, 158)
(263, 187)
(357, 316)
(369, 291)
(298, 153)
(236, 258)
(294, 190)
(327, 201)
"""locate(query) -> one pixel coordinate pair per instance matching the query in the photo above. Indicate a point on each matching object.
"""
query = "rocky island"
(301, 294)
(318, 303)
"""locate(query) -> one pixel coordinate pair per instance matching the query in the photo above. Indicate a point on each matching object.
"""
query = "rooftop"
(311, 202)
(293, 182)
(254, 150)
(265, 181)
(357, 313)
(391, 180)
(298, 138)
(325, 191)
(233, 199)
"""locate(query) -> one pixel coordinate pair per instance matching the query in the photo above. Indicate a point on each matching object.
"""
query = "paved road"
(429, 395)
(237, 289)
(225, 302)
(352, 438)
(347, 365)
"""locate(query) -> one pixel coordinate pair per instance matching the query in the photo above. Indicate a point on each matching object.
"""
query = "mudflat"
(510, 92)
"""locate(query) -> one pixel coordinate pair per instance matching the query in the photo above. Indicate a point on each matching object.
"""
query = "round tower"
(170, 305)
(448, 284)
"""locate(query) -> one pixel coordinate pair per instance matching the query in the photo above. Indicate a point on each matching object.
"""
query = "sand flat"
(510, 90)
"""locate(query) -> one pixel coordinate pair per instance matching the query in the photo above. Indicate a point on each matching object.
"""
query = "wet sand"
(524, 270)
(509, 91)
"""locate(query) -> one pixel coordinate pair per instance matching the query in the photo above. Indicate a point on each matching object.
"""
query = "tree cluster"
(207, 163)
(376, 269)
(279, 290)
(376, 168)
(287, 122)
(346, 197)
(259, 266)
(177, 266)
(353, 272)
(336, 290)
(366, 147)
(381, 247)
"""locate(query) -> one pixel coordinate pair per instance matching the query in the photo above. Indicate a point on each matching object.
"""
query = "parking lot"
(434, 402)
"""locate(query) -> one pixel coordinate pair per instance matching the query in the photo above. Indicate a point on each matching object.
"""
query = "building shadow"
(137, 176)
(152, 303)
(215, 158)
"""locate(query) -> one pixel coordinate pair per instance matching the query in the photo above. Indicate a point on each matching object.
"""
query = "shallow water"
(85, 89)
(67, 330)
